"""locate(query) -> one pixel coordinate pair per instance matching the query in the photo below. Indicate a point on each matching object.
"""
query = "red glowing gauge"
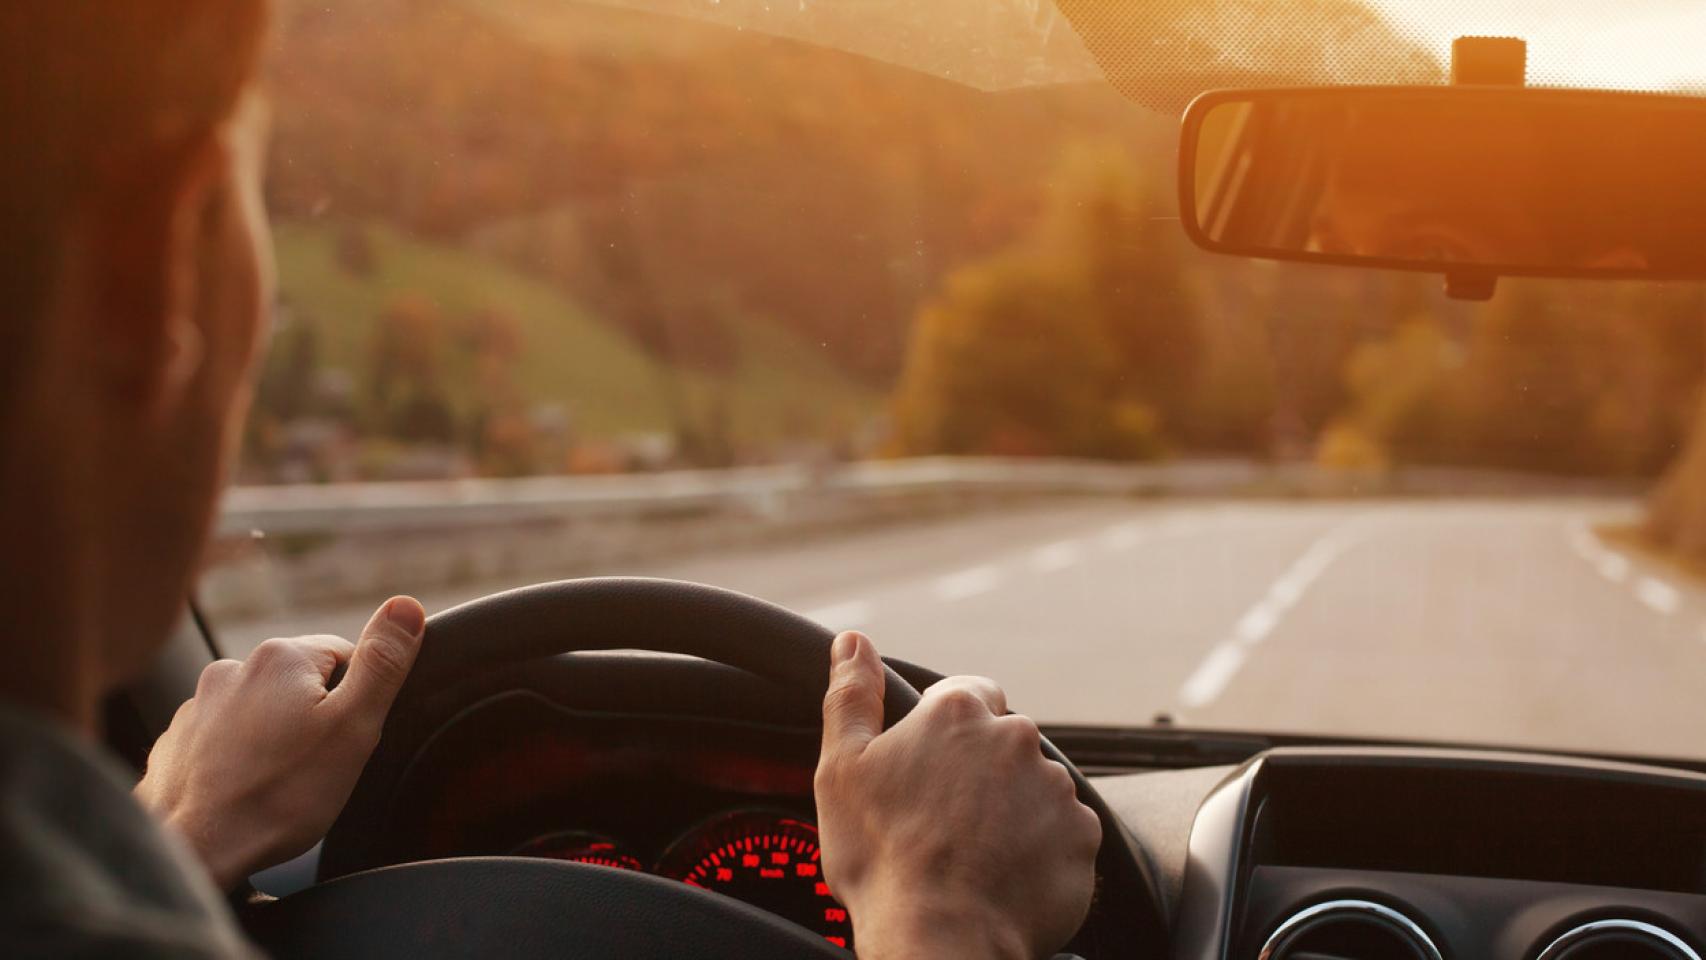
(769, 860)
(580, 847)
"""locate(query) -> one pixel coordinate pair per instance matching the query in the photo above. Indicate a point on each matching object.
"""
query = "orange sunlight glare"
(1630, 44)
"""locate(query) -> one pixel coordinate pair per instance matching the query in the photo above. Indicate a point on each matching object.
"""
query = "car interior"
(488, 812)
(614, 767)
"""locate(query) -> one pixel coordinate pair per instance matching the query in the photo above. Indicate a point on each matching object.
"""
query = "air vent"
(1618, 940)
(1349, 930)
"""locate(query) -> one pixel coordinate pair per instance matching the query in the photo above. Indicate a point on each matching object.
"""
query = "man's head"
(134, 280)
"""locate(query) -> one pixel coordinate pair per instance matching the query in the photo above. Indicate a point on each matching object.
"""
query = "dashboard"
(1374, 853)
(1366, 852)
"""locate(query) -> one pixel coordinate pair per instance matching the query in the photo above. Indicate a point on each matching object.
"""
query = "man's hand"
(255, 766)
(950, 835)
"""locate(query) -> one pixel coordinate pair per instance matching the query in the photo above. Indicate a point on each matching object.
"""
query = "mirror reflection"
(1520, 180)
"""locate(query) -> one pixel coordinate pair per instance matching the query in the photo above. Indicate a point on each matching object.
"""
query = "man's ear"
(144, 235)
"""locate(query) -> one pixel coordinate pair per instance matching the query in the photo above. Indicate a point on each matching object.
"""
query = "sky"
(1633, 44)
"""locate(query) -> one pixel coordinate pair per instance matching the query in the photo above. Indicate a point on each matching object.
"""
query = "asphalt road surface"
(1497, 621)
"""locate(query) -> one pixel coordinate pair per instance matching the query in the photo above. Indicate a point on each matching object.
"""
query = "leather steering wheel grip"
(614, 613)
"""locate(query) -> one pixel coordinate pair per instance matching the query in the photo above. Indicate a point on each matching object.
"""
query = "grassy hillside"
(775, 385)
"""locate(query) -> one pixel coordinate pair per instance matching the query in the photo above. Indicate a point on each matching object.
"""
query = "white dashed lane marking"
(1216, 671)
(1258, 622)
(967, 583)
(1055, 556)
(1658, 595)
(1213, 674)
(1654, 593)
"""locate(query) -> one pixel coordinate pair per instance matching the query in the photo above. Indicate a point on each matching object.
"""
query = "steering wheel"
(533, 908)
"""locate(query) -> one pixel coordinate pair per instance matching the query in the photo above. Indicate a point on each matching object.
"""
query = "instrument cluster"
(724, 806)
(768, 859)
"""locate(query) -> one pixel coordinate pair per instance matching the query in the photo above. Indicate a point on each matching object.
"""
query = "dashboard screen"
(1484, 823)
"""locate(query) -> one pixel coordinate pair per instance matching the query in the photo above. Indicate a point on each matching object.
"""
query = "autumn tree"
(1010, 359)
(1106, 221)
(1080, 341)
(1577, 379)
(1397, 386)
(504, 441)
(286, 389)
(406, 391)
(1676, 513)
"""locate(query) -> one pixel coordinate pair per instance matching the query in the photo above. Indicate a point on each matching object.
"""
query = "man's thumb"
(383, 656)
(853, 705)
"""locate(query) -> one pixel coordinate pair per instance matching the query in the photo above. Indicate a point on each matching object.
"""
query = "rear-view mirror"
(1473, 182)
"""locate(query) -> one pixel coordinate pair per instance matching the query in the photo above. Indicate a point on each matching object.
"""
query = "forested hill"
(667, 172)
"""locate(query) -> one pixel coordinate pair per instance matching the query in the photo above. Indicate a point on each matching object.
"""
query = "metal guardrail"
(368, 507)
(316, 508)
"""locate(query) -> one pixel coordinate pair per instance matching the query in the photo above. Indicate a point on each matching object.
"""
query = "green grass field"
(779, 386)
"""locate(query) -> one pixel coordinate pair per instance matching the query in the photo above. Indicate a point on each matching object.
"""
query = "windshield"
(881, 311)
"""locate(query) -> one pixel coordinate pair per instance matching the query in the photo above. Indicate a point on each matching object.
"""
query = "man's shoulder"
(84, 871)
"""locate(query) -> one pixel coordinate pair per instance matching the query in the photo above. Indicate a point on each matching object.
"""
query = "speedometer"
(578, 846)
(769, 860)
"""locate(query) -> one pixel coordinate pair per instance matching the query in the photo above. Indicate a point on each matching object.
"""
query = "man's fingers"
(853, 705)
(329, 653)
(973, 694)
(322, 651)
(383, 655)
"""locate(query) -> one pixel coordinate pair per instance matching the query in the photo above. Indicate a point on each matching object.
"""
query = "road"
(1496, 621)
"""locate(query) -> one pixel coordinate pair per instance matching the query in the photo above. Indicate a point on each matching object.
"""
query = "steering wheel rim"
(608, 613)
(673, 616)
